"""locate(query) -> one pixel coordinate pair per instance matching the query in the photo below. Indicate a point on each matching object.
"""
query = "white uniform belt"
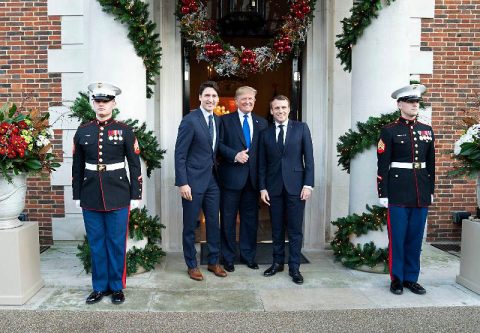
(406, 165)
(105, 167)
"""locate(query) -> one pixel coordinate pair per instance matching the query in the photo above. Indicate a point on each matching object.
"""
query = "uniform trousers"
(107, 236)
(209, 202)
(406, 226)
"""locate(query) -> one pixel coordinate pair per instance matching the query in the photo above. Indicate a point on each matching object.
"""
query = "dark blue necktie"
(246, 131)
(210, 128)
(280, 138)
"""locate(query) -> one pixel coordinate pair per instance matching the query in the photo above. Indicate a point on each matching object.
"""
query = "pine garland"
(355, 256)
(141, 31)
(355, 142)
(149, 147)
(141, 225)
(363, 12)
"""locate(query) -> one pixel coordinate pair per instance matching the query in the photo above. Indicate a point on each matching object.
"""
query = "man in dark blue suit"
(196, 178)
(238, 178)
(286, 179)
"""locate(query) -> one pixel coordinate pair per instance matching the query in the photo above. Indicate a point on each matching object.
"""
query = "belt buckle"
(101, 167)
(417, 165)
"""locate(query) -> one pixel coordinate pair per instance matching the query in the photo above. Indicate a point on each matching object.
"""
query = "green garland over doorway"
(141, 31)
(363, 13)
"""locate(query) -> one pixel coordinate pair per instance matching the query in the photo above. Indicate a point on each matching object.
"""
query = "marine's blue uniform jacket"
(406, 141)
(100, 143)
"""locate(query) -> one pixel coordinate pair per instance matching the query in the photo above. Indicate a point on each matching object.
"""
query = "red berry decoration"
(185, 10)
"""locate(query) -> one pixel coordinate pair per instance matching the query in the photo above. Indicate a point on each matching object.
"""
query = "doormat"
(263, 257)
(453, 249)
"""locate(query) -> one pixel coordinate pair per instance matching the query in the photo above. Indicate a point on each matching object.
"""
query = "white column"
(380, 65)
(170, 105)
(112, 58)
(314, 113)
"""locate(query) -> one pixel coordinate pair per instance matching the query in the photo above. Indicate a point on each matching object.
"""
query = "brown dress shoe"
(195, 274)
(217, 270)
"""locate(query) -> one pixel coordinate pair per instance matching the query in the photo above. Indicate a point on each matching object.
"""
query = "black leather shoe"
(414, 287)
(229, 267)
(96, 296)
(118, 297)
(396, 287)
(274, 269)
(296, 276)
(250, 264)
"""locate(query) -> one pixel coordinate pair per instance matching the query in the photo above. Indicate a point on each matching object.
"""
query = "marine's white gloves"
(134, 204)
(383, 202)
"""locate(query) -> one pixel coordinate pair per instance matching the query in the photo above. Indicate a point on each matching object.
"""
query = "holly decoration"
(201, 32)
(363, 13)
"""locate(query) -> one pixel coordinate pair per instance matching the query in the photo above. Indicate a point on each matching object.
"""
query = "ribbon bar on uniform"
(105, 167)
(405, 165)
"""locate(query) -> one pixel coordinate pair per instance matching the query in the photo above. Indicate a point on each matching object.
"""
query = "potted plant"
(25, 148)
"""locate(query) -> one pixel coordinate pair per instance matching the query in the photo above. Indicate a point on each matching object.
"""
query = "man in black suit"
(286, 179)
(238, 178)
(196, 178)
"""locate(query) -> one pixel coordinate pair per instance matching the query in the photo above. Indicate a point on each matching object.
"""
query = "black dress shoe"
(229, 267)
(96, 296)
(249, 264)
(118, 297)
(274, 269)
(396, 287)
(296, 276)
(414, 287)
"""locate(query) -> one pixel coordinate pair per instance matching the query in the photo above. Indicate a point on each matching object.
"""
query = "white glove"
(134, 204)
(431, 197)
(77, 203)
(383, 202)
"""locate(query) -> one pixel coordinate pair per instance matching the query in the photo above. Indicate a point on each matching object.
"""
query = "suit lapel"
(256, 130)
(238, 128)
(289, 133)
(204, 125)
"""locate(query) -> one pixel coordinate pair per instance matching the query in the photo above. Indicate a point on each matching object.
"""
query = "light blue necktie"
(246, 131)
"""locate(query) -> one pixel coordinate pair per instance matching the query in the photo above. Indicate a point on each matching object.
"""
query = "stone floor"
(328, 286)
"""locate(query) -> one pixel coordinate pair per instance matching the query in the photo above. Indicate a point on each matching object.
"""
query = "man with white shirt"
(286, 179)
(196, 178)
(238, 179)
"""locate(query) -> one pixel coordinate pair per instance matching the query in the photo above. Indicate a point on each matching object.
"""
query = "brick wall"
(454, 37)
(26, 33)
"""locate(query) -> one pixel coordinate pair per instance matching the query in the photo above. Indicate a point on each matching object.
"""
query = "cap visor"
(103, 98)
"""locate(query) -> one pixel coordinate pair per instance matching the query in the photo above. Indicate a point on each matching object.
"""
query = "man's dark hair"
(280, 98)
(208, 84)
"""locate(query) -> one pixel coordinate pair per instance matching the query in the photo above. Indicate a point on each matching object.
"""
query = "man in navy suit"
(238, 178)
(196, 178)
(286, 179)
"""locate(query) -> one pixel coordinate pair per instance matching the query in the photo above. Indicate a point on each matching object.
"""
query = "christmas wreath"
(227, 60)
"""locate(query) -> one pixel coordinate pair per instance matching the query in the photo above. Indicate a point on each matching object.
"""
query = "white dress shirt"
(249, 120)
(206, 114)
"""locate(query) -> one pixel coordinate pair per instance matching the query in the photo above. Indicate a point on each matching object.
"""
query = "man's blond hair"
(244, 90)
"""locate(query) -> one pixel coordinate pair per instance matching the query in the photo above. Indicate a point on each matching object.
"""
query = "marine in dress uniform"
(105, 194)
(406, 180)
